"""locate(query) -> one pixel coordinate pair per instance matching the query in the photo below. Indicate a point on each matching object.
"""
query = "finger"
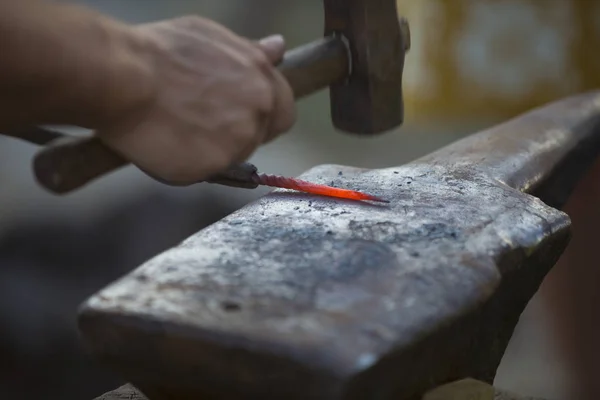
(273, 46)
(284, 110)
(283, 116)
(263, 129)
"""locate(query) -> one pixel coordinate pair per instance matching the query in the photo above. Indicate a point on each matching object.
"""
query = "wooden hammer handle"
(69, 163)
(66, 165)
(83, 148)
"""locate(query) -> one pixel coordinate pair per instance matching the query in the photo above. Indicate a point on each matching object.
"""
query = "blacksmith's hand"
(182, 99)
(212, 98)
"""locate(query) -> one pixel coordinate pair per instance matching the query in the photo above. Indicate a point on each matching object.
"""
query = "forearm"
(64, 64)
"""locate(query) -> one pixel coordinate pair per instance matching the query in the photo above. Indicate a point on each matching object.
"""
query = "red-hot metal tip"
(313, 188)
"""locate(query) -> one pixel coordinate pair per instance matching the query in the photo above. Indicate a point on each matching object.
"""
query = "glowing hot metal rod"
(313, 188)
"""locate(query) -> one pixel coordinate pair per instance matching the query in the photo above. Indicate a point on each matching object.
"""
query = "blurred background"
(472, 64)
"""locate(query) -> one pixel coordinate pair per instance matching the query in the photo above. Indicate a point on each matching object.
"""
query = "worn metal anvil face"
(302, 297)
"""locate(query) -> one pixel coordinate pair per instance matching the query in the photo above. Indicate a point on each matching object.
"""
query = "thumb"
(273, 46)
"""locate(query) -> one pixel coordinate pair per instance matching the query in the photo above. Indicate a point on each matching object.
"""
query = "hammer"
(298, 297)
(360, 58)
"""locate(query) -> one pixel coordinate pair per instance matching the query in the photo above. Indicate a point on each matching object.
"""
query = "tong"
(71, 171)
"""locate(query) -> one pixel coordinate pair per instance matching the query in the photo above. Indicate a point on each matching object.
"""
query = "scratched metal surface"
(296, 296)
(128, 392)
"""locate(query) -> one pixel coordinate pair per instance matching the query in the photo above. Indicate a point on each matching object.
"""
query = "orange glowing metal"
(313, 188)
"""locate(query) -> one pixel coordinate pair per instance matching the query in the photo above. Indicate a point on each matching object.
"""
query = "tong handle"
(68, 163)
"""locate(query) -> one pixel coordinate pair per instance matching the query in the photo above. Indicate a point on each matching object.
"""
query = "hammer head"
(370, 100)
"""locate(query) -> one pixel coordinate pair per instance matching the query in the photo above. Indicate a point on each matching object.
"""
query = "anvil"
(300, 297)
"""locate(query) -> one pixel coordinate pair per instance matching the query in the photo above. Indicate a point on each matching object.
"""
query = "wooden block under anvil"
(301, 297)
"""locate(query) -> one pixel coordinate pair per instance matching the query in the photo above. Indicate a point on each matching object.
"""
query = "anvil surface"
(128, 392)
(302, 297)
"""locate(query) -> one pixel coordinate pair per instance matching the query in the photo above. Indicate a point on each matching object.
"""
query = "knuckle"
(260, 60)
(263, 94)
(247, 131)
(239, 129)
(190, 21)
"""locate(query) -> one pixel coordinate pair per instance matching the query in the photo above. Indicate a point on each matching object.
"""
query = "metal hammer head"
(297, 297)
(370, 100)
